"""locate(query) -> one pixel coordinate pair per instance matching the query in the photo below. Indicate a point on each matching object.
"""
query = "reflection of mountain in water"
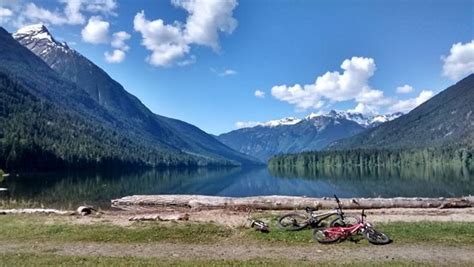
(421, 181)
(68, 190)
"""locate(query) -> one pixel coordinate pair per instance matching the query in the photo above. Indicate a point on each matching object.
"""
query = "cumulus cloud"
(118, 40)
(38, 14)
(460, 61)
(206, 19)
(409, 104)
(259, 94)
(96, 31)
(72, 12)
(363, 109)
(405, 89)
(100, 6)
(166, 42)
(116, 56)
(351, 84)
(120, 47)
(170, 42)
(5, 14)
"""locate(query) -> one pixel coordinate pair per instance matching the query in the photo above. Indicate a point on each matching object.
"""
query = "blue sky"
(279, 48)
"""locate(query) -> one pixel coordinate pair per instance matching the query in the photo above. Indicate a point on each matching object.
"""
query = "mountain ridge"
(291, 135)
(123, 106)
(446, 118)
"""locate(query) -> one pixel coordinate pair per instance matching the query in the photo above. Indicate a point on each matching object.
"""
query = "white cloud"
(259, 94)
(460, 61)
(247, 124)
(5, 15)
(352, 84)
(118, 40)
(364, 109)
(227, 72)
(170, 42)
(165, 41)
(409, 104)
(116, 56)
(206, 19)
(72, 12)
(405, 89)
(100, 6)
(37, 14)
(96, 31)
(186, 62)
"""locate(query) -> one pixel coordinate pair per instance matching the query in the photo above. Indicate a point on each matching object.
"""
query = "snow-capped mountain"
(366, 121)
(37, 38)
(106, 99)
(291, 135)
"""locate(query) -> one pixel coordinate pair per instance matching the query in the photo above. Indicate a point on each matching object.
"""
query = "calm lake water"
(68, 190)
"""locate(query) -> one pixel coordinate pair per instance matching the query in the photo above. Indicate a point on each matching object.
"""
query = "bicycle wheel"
(348, 221)
(293, 221)
(324, 237)
(377, 238)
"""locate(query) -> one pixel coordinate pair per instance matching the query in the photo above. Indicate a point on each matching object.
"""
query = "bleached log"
(284, 202)
(160, 217)
(35, 211)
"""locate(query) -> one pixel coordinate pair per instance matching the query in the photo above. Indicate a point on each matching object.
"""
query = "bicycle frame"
(345, 232)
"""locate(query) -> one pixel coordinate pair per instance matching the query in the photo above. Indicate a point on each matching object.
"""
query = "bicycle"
(338, 233)
(296, 221)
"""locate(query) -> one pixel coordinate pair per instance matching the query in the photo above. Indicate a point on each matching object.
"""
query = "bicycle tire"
(321, 236)
(296, 222)
(375, 237)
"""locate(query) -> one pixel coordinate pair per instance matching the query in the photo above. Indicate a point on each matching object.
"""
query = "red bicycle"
(337, 233)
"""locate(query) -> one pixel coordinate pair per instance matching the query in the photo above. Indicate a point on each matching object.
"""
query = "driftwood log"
(160, 217)
(35, 211)
(284, 202)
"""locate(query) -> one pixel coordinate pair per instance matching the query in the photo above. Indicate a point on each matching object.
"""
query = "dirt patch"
(232, 218)
(439, 254)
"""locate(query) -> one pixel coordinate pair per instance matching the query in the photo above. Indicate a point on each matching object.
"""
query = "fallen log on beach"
(35, 211)
(284, 202)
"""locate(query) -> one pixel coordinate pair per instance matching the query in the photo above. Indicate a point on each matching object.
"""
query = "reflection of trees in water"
(392, 181)
(67, 190)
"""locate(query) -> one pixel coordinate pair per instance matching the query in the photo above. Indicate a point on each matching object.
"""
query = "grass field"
(30, 229)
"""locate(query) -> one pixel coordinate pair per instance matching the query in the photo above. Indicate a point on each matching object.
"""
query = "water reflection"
(68, 190)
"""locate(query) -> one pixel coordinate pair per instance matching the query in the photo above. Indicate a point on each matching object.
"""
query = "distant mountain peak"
(284, 121)
(36, 31)
(366, 121)
(39, 34)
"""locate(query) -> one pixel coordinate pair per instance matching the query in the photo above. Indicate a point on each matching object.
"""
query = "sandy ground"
(232, 218)
(438, 254)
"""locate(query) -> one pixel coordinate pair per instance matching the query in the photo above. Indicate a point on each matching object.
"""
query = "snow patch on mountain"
(366, 121)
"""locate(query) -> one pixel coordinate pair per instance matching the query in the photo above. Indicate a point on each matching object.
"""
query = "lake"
(67, 190)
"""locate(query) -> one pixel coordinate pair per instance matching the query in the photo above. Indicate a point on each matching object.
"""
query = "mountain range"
(45, 81)
(446, 119)
(291, 135)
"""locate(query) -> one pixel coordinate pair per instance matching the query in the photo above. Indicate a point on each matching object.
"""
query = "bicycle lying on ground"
(297, 221)
(337, 233)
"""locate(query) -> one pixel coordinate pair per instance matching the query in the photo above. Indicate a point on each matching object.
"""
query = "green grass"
(56, 229)
(37, 228)
(401, 232)
(11, 259)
